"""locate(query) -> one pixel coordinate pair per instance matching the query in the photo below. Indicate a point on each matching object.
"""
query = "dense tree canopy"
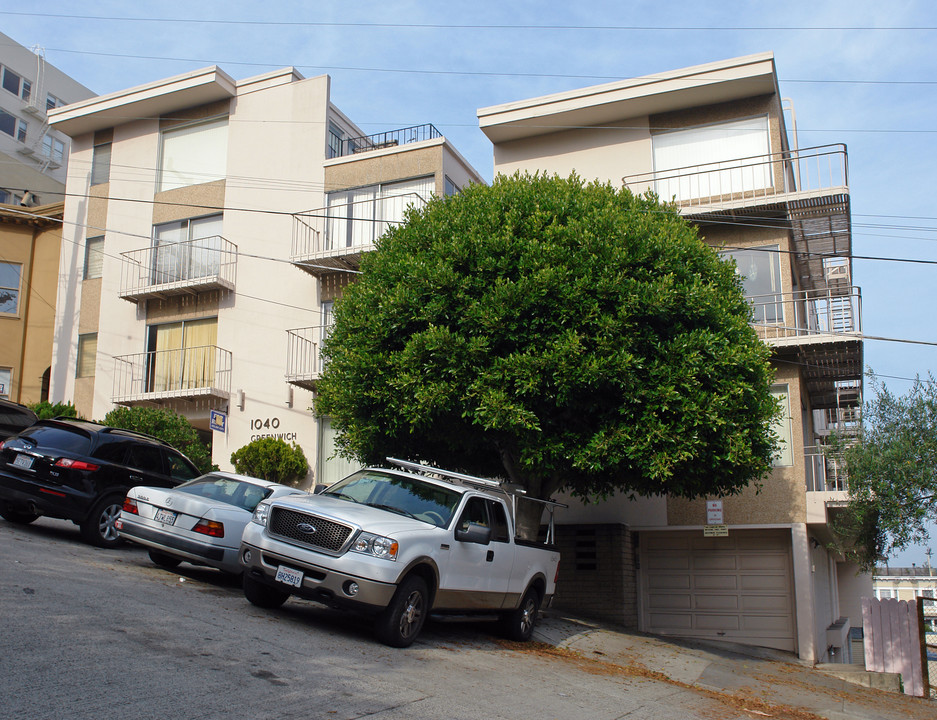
(891, 470)
(556, 333)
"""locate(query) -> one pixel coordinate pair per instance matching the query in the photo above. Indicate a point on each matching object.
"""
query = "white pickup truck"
(401, 544)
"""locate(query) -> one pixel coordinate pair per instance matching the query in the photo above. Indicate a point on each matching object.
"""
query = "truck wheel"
(20, 518)
(163, 560)
(519, 624)
(98, 528)
(262, 595)
(401, 621)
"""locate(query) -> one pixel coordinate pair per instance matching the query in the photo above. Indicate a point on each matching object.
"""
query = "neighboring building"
(216, 280)
(30, 241)
(714, 138)
(32, 155)
(909, 583)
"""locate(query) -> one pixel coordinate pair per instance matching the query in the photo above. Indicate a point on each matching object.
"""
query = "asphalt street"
(90, 633)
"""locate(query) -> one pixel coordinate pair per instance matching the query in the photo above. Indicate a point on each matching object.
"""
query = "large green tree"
(555, 333)
(891, 470)
(165, 425)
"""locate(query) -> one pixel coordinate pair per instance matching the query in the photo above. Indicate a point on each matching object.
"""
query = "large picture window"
(358, 217)
(713, 160)
(187, 249)
(10, 287)
(181, 355)
(760, 269)
(193, 154)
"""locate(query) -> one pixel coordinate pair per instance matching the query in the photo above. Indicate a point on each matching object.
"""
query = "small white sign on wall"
(714, 512)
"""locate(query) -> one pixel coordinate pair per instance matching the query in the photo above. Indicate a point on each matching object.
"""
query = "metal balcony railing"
(825, 470)
(391, 138)
(176, 268)
(348, 228)
(802, 172)
(807, 313)
(165, 374)
(303, 360)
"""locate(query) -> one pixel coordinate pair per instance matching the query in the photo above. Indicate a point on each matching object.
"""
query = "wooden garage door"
(738, 588)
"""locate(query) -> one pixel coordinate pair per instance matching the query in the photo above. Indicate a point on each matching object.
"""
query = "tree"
(272, 459)
(165, 425)
(891, 470)
(555, 333)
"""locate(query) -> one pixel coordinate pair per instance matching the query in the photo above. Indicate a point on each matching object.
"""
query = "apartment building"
(752, 568)
(228, 215)
(30, 242)
(33, 156)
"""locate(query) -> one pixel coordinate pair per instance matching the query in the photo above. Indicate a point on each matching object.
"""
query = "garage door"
(738, 588)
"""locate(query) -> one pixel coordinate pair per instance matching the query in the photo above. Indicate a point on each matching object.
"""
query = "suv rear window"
(59, 437)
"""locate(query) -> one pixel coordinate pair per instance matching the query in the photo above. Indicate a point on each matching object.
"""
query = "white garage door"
(738, 588)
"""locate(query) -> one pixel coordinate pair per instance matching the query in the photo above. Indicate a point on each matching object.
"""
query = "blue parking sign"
(218, 420)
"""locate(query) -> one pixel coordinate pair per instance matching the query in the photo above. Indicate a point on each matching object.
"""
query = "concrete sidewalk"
(759, 681)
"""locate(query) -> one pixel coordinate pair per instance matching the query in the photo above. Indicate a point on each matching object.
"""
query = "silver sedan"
(200, 521)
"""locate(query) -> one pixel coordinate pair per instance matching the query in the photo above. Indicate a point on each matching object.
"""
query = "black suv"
(14, 418)
(81, 471)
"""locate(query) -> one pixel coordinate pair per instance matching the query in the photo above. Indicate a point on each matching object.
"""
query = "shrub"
(165, 425)
(45, 410)
(272, 459)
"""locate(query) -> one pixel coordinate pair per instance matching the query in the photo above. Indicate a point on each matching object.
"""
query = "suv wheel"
(98, 529)
(15, 516)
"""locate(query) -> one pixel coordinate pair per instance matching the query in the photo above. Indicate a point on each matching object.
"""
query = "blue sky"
(860, 73)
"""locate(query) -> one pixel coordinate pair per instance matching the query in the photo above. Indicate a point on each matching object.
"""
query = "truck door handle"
(490, 556)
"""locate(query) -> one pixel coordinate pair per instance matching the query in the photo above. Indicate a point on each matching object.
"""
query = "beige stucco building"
(751, 568)
(210, 224)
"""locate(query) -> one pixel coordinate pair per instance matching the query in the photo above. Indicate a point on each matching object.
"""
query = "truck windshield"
(407, 496)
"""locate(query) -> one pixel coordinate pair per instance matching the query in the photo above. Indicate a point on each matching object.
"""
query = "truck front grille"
(310, 530)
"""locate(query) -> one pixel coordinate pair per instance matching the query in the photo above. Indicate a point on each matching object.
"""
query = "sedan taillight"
(212, 528)
(130, 506)
(76, 464)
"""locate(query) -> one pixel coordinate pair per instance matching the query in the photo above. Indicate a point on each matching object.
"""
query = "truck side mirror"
(474, 533)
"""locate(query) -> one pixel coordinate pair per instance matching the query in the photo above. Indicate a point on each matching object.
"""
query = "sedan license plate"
(288, 576)
(23, 461)
(166, 517)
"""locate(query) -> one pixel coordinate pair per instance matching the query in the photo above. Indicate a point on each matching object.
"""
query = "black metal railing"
(391, 138)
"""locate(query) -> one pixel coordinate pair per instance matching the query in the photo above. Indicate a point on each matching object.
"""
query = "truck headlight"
(260, 514)
(376, 545)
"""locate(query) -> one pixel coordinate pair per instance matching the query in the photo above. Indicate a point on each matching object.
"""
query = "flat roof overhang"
(152, 100)
(696, 86)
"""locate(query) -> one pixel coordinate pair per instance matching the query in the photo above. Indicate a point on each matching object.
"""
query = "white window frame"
(16, 291)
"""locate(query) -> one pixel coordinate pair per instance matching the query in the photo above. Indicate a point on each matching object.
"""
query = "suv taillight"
(76, 464)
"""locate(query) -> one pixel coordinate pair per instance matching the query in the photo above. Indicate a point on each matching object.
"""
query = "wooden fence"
(894, 641)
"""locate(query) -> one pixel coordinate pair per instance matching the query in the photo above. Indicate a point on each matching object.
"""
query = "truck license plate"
(288, 576)
(23, 461)
(166, 517)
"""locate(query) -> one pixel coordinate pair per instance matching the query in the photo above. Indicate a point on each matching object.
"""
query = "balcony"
(807, 315)
(183, 268)
(162, 376)
(391, 138)
(333, 239)
(303, 361)
(825, 484)
(807, 189)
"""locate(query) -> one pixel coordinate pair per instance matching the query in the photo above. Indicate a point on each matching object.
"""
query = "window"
(193, 154)
(713, 160)
(782, 427)
(10, 287)
(12, 126)
(94, 257)
(187, 249)
(11, 81)
(52, 102)
(145, 457)
(54, 149)
(331, 467)
(101, 164)
(87, 355)
(885, 593)
(328, 319)
(760, 269)
(450, 188)
(6, 382)
(356, 218)
(27, 90)
(181, 356)
(499, 522)
(335, 141)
